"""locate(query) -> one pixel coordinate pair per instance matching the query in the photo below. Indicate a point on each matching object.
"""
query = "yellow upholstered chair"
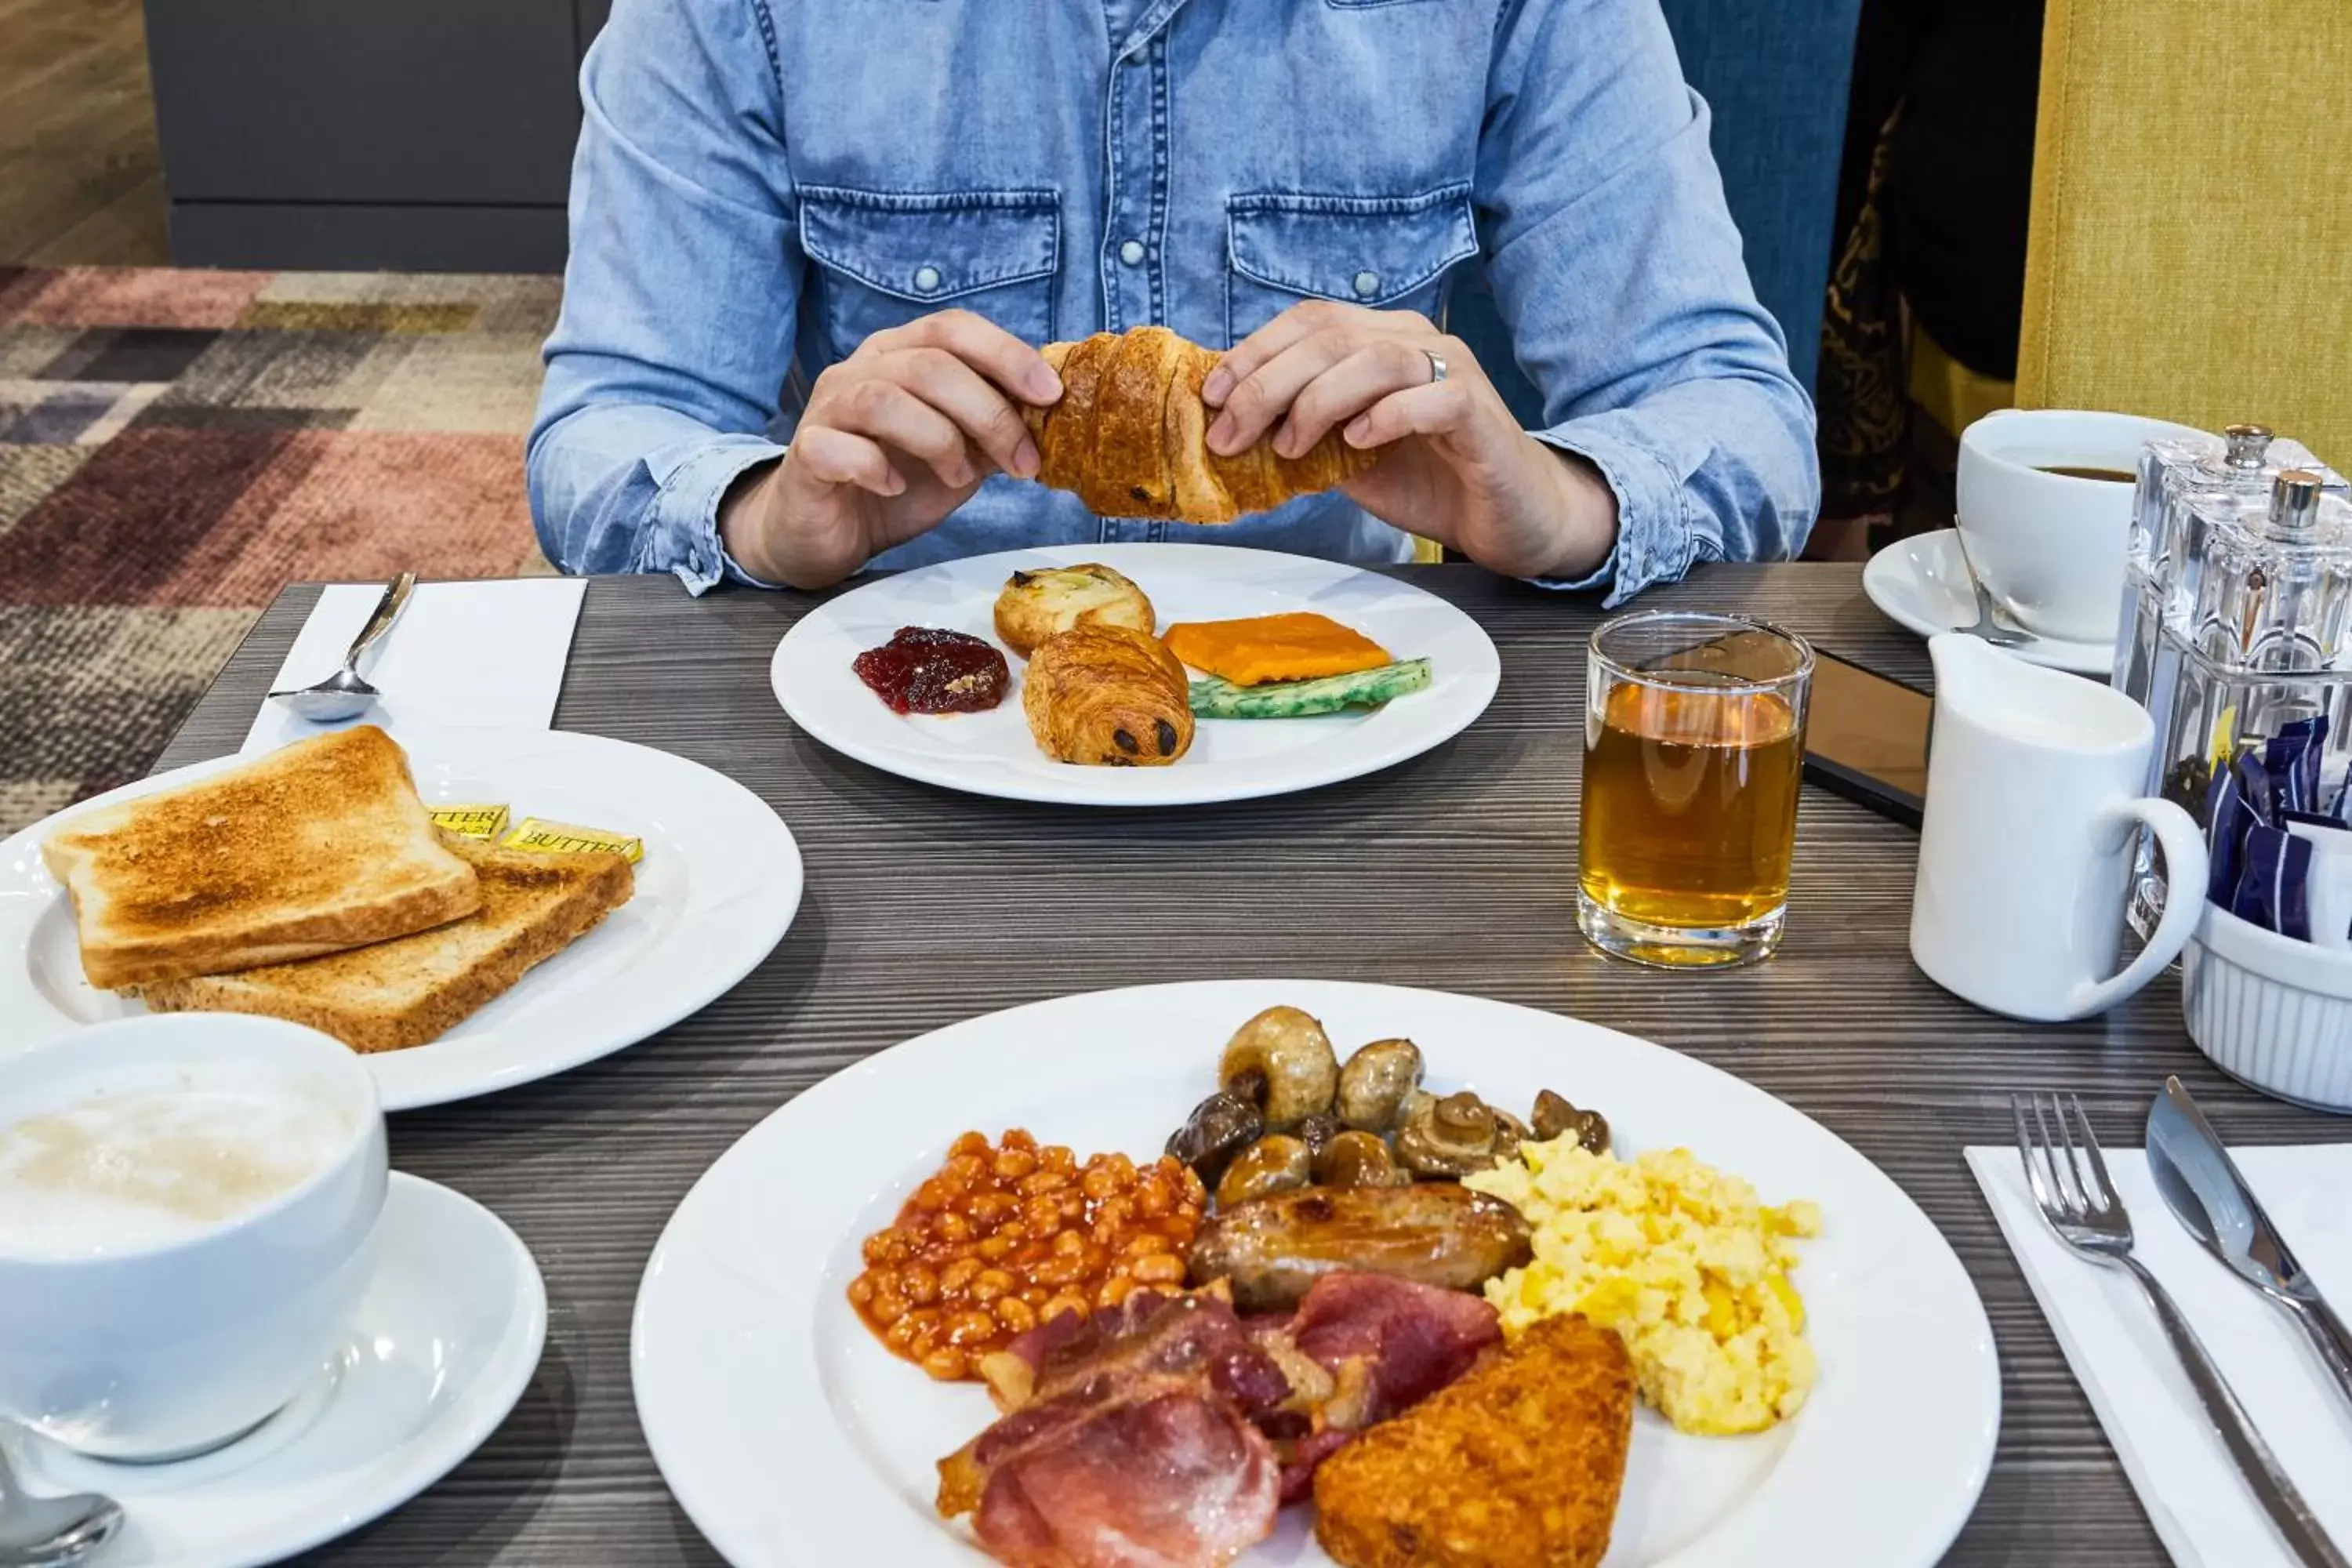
(2191, 249)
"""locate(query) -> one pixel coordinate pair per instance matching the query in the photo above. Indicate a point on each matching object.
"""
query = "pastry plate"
(992, 753)
(790, 1435)
(1922, 583)
(720, 883)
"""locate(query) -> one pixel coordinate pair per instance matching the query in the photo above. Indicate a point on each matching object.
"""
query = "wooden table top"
(1455, 871)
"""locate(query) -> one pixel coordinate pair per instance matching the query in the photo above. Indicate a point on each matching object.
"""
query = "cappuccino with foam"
(132, 1160)
(188, 1203)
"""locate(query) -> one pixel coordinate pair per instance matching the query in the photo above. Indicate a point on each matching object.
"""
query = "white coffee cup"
(188, 1204)
(2050, 547)
(2025, 846)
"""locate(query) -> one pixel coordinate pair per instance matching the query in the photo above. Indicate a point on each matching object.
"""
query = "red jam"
(926, 671)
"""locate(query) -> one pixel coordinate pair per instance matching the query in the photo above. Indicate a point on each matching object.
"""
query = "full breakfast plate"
(717, 882)
(930, 1416)
(1425, 672)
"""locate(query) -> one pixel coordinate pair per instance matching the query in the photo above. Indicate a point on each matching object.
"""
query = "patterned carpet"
(177, 445)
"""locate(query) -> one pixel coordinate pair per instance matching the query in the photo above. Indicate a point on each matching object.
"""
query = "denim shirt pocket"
(1391, 253)
(888, 256)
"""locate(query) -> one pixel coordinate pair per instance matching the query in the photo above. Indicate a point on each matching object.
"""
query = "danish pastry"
(1036, 605)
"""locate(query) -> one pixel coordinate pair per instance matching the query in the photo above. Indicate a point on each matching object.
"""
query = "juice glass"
(1694, 756)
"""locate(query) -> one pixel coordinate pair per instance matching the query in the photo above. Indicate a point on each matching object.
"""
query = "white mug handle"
(2183, 843)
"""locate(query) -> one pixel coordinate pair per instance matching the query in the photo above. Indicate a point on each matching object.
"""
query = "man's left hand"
(1455, 466)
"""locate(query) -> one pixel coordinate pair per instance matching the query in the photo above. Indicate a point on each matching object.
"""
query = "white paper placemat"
(2185, 1478)
(461, 654)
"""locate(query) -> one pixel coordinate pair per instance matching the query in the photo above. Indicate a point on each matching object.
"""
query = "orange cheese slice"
(1300, 646)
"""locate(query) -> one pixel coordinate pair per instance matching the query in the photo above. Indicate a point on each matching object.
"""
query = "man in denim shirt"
(815, 243)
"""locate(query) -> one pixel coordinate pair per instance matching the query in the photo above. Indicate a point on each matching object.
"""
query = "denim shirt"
(761, 183)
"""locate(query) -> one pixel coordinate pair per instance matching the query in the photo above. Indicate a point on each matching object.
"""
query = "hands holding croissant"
(903, 431)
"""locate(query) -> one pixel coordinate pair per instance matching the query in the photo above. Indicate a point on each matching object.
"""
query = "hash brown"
(1516, 1465)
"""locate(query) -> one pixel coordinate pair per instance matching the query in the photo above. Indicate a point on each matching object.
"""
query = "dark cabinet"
(431, 134)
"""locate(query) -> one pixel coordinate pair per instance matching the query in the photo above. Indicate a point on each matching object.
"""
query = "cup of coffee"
(2045, 504)
(188, 1203)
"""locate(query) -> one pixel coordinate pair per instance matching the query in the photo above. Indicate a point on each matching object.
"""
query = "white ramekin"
(2271, 1011)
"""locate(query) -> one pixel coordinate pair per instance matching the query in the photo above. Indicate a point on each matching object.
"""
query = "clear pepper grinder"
(2248, 579)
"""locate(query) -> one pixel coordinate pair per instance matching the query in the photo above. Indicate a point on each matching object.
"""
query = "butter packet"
(472, 821)
(534, 836)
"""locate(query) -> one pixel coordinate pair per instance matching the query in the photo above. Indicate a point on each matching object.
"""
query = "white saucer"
(444, 1342)
(1923, 582)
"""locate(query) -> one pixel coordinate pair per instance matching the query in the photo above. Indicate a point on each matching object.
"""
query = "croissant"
(1129, 436)
(1109, 696)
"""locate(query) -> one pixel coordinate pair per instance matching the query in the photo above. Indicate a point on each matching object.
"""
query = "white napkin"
(461, 654)
(2186, 1479)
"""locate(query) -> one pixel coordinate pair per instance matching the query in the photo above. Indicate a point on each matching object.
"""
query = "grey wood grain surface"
(1455, 871)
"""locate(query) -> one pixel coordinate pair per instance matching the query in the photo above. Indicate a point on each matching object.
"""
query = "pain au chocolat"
(1129, 436)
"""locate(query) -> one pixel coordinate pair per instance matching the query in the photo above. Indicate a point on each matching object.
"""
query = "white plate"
(791, 1436)
(719, 884)
(1922, 582)
(444, 1342)
(992, 753)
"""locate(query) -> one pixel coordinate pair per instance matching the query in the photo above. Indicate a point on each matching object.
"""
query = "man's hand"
(895, 438)
(1455, 466)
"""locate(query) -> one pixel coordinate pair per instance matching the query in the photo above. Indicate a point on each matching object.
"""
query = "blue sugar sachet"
(2291, 758)
(2274, 889)
(2262, 870)
(2227, 817)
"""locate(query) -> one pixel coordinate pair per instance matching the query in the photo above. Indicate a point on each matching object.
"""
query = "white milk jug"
(2025, 851)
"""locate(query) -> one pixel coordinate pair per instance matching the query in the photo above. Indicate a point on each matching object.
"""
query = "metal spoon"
(52, 1533)
(1985, 627)
(343, 695)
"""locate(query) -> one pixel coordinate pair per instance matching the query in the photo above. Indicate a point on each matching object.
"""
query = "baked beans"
(1004, 1236)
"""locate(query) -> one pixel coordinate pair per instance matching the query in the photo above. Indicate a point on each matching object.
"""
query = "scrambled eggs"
(1681, 1260)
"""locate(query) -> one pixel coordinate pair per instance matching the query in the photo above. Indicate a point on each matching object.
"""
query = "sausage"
(1435, 1233)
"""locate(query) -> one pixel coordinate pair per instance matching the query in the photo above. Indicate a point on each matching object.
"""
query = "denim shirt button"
(927, 279)
(1368, 283)
(1132, 253)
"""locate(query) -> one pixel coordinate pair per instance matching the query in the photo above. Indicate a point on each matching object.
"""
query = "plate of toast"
(1135, 675)
(469, 909)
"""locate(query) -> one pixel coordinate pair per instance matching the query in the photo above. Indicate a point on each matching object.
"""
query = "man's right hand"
(895, 438)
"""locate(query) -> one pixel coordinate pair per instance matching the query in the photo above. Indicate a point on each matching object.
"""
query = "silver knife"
(2203, 1188)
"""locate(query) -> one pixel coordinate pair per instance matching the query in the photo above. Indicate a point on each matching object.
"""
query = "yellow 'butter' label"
(541, 837)
(472, 821)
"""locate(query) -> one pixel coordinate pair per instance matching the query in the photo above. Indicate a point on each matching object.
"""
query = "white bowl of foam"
(187, 1203)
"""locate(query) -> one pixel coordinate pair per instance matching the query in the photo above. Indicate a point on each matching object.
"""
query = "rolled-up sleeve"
(676, 332)
(1617, 268)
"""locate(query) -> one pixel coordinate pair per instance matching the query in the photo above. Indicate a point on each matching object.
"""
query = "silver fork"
(2076, 1198)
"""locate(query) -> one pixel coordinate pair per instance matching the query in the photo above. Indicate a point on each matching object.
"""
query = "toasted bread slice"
(318, 846)
(1517, 1465)
(407, 992)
